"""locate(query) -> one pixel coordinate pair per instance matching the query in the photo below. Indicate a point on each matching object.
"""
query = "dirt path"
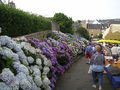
(77, 78)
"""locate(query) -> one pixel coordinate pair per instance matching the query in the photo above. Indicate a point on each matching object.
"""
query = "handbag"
(90, 68)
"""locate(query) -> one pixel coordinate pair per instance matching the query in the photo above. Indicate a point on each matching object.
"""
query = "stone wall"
(94, 32)
(55, 26)
(39, 35)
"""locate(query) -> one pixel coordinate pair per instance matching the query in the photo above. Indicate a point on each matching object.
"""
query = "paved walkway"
(77, 78)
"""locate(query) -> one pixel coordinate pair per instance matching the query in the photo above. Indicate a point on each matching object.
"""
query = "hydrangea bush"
(28, 68)
(34, 64)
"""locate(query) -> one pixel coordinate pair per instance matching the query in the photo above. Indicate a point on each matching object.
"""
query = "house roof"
(110, 21)
(94, 26)
(97, 26)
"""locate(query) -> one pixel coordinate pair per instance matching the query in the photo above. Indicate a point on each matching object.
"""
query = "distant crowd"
(107, 50)
(95, 58)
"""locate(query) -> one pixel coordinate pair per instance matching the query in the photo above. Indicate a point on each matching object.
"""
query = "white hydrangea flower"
(23, 58)
(4, 40)
(10, 45)
(47, 62)
(4, 86)
(30, 59)
(35, 66)
(21, 55)
(23, 69)
(36, 71)
(11, 54)
(20, 76)
(6, 52)
(15, 57)
(22, 44)
(47, 88)
(24, 61)
(23, 82)
(46, 81)
(45, 70)
(38, 81)
(38, 51)
(38, 61)
(30, 79)
(29, 48)
(8, 77)
(34, 87)
(20, 68)
(17, 48)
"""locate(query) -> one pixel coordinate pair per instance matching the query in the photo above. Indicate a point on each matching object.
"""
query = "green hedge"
(16, 22)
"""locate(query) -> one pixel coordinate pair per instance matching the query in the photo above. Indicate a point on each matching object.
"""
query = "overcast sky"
(76, 9)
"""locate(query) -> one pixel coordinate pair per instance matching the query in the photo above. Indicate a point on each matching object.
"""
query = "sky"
(76, 9)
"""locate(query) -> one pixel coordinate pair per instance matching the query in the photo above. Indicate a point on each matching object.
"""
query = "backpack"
(87, 53)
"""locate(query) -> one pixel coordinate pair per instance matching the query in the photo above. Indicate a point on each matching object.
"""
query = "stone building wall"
(94, 32)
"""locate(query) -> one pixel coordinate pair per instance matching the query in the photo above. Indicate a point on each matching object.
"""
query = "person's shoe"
(100, 88)
(87, 62)
(94, 86)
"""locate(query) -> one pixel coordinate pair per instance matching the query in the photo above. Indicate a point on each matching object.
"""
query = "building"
(95, 27)
(76, 26)
(12, 4)
(112, 33)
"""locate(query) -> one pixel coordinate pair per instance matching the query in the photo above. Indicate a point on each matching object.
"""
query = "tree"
(83, 33)
(64, 22)
(99, 36)
(79, 21)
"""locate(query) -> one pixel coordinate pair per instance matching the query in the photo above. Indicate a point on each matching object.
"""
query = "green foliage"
(62, 60)
(6, 64)
(64, 22)
(99, 36)
(85, 42)
(83, 33)
(16, 22)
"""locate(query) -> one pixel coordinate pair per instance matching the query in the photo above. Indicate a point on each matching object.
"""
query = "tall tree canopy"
(64, 22)
(83, 33)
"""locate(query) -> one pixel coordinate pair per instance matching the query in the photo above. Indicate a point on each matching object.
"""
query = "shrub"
(15, 22)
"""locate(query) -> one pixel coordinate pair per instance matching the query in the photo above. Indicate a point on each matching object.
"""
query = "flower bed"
(33, 64)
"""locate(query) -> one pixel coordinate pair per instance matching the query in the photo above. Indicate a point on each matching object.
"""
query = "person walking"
(88, 52)
(114, 51)
(97, 62)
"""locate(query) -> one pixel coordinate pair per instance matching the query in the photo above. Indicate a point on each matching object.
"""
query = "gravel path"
(77, 78)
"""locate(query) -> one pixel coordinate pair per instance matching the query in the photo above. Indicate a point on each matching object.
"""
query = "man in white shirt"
(114, 51)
